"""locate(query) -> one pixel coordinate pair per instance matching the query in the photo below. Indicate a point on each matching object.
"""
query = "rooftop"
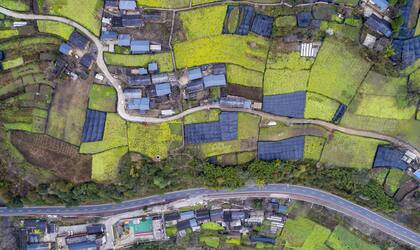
(127, 5)
(139, 46)
(77, 40)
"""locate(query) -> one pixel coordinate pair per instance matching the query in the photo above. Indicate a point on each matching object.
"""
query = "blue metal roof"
(109, 35)
(93, 129)
(38, 246)
(379, 25)
(142, 104)
(417, 173)
(82, 245)
(304, 19)
(263, 25)
(127, 5)
(65, 48)
(291, 104)
(382, 4)
(224, 130)
(194, 74)
(389, 157)
(214, 81)
(187, 215)
(124, 40)
(143, 71)
(152, 67)
(163, 89)
(288, 149)
(140, 46)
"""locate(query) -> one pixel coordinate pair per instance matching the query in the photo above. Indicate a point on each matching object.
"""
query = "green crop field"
(197, 2)
(338, 71)
(164, 3)
(284, 81)
(211, 241)
(350, 151)
(105, 164)
(164, 60)
(248, 126)
(377, 84)
(292, 61)
(4, 34)
(60, 29)
(303, 233)
(18, 5)
(211, 115)
(285, 21)
(203, 22)
(238, 75)
(211, 226)
(219, 148)
(102, 98)
(16, 44)
(313, 147)
(85, 12)
(245, 157)
(343, 239)
(320, 107)
(247, 51)
(12, 63)
(393, 180)
(154, 140)
(115, 135)
(381, 106)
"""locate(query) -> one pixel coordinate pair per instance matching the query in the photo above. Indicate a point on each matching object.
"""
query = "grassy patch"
(284, 81)
(302, 232)
(233, 241)
(105, 164)
(203, 22)
(211, 115)
(313, 147)
(292, 61)
(338, 71)
(164, 60)
(211, 241)
(379, 174)
(171, 231)
(115, 135)
(343, 239)
(245, 157)
(242, 76)
(12, 63)
(393, 180)
(154, 139)
(8, 33)
(350, 151)
(377, 84)
(19, 126)
(248, 126)
(285, 21)
(342, 31)
(247, 51)
(164, 3)
(320, 107)
(85, 12)
(233, 20)
(28, 42)
(18, 5)
(102, 98)
(381, 106)
(211, 226)
(60, 29)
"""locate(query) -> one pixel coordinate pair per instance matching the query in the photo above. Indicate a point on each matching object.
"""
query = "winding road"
(294, 192)
(133, 118)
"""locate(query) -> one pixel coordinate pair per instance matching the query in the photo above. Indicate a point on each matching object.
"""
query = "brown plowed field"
(61, 158)
(252, 93)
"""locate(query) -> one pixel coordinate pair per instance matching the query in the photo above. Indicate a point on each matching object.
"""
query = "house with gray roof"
(139, 80)
(162, 89)
(160, 78)
(214, 81)
(132, 21)
(109, 36)
(142, 104)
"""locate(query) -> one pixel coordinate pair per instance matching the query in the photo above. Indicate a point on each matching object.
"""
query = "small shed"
(64, 49)
(142, 104)
(156, 47)
(127, 5)
(124, 40)
(140, 46)
(214, 81)
(163, 89)
(194, 73)
(109, 36)
(152, 67)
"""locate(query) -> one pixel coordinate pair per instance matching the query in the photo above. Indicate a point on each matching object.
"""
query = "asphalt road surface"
(292, 191)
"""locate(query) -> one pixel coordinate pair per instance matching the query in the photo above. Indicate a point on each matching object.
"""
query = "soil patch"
(252, 93)
(61, 158)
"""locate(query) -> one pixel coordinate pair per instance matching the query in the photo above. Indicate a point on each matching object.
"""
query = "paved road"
(123, 112)
(292, 191)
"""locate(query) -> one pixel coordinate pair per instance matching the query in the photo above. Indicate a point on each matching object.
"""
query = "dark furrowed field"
(252, 93)
(61, 158)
